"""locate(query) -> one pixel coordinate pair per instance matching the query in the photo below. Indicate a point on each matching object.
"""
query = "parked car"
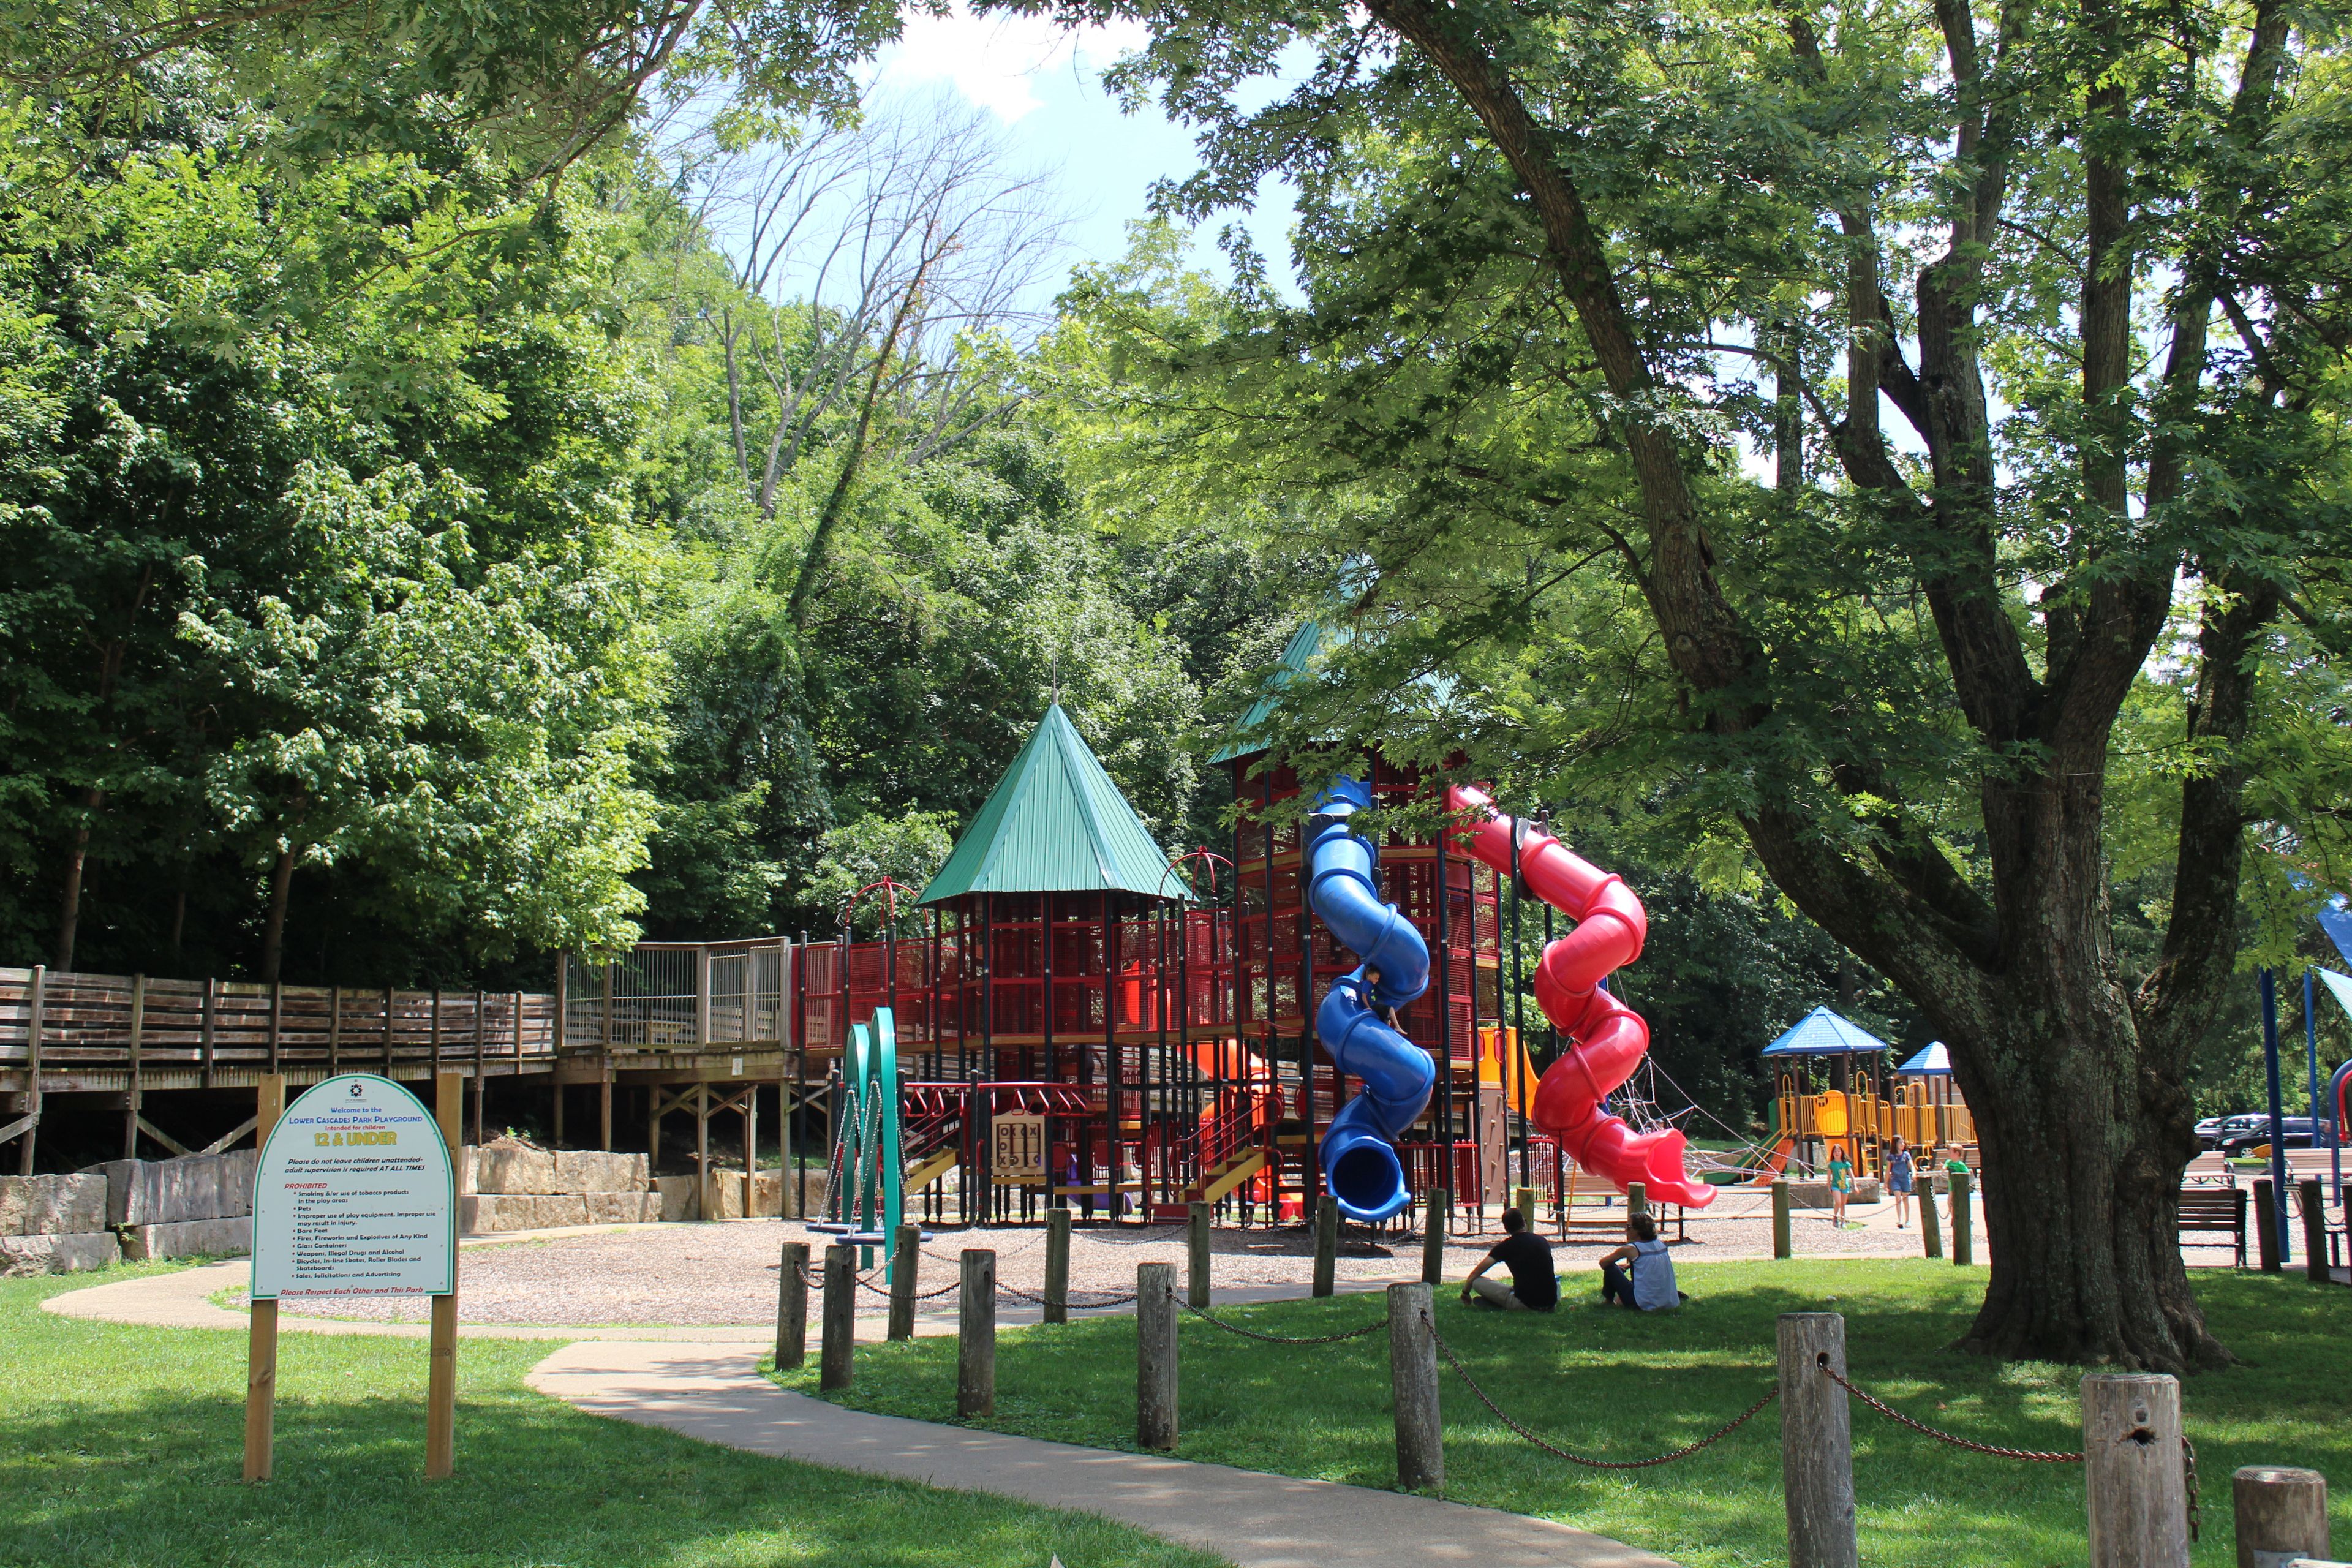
(2295, 1133)
(2216, 1131)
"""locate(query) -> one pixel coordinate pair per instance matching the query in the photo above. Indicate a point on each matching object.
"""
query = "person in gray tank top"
(1641, 1273)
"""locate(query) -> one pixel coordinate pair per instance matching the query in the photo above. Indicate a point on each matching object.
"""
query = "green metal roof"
(1296, 655)
(1055, 825)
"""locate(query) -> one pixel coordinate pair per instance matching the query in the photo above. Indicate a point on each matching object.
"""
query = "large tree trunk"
(2082, 1152)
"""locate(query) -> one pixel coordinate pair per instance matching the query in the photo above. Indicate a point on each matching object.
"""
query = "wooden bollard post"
(1433, 1238)
(1524, 1200)
(1155, 1355)
(1783, 1242)
(1196, 1254)
(1816, 1442)
(260, 1389)
(1931, 1229)
(2314, 1235)
(2267, 1234)
(838, 1333)
(1413, 1378)
(1964, 1220)
(976, 1336)
(2282, 1514)
(906, 1258)
(1326, 1245)
(1056, 1307)
(1637, 1202)
(2135, 1487)
(792, 1305)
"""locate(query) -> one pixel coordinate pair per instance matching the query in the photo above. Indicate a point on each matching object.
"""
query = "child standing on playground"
(1841, 1183)
(1898, 1182)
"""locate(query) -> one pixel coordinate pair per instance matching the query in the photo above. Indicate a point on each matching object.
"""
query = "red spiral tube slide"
(1607, 1038)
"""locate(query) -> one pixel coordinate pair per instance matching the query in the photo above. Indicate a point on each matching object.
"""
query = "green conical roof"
(1297, 655)
(1055, 825)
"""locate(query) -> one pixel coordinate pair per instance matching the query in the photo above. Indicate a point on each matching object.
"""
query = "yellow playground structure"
(1870, 1105)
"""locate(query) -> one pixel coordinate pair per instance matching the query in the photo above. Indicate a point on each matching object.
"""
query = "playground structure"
(1085, 1020)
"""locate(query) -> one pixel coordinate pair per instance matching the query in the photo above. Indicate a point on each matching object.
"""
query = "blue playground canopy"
(1821, 1032)
(1932, 1062)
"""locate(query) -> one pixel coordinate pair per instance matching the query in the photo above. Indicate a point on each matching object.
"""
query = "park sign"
(354, 1195)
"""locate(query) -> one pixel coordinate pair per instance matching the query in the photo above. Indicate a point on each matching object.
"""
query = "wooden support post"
(976, 1336)
(208, 1027)
(2315, 1235)
(752, 1153)
(1964, 1220)
(1326, 1245)
(1816, 1442)
(1058, 1264)
(1432, 1236)
(1783, 1239)
(36, 1001)
(1413, 1378)
(1637, 1202)
(1931, 1228)
(904, 1258)
(2282, 1514)
(276, 1016)
(441, 1373)
(135, 1101)
(792, 1305)
(839, 1336)
(1155, 1355)
(605, 1105)
(706, 1200)
(334, 1031)
(1524, 1200)
(268, 1105)
(2266, 1230)
(2133, 1480)
(260, 1389)
(441, 1391)
(1196, 1254)
(388, 1010)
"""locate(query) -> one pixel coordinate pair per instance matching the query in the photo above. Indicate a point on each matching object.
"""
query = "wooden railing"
(66, 1023)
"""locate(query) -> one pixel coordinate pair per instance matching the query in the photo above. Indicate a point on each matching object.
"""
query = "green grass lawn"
(1617, 1385)
(119, 1446)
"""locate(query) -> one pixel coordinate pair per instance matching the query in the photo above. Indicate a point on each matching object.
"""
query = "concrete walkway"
(713, 1391)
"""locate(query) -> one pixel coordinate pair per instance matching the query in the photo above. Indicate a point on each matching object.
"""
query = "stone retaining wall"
(54, 1224)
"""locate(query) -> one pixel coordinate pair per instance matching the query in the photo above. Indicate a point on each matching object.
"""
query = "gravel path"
(724, 1274)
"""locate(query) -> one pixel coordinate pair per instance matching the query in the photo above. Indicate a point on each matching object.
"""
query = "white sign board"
(355, 1197)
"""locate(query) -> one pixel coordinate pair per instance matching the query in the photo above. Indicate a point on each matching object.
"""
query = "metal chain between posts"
(2036, 1456)
(1106, 1298)
(918, 1296)
(1556, 1451)
(1373, 1327)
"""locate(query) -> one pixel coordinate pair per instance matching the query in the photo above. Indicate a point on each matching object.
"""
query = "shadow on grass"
(1619, 1385)
(122, 1446)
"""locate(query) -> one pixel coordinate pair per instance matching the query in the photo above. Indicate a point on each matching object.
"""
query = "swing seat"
(866, 1239)
(827, 1228)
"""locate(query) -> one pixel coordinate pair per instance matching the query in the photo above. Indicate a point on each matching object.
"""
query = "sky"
(1042, 84)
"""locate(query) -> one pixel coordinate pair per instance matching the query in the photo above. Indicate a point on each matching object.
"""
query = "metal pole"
(1510, 1062)
(2278, 1117)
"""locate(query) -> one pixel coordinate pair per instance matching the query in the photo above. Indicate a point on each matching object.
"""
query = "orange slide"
(1608, 1037)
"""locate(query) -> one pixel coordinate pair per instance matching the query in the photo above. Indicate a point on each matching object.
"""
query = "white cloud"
(993, 61)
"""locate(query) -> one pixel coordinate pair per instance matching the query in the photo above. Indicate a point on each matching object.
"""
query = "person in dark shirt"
(1535, 1283)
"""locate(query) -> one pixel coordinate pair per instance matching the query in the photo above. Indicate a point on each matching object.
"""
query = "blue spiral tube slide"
(1360, 1167)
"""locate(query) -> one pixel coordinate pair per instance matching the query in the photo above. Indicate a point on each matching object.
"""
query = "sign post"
(261, 1335)
(356, 1194)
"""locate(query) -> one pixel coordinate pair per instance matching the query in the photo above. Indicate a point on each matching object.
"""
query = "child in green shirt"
(1841, 1183)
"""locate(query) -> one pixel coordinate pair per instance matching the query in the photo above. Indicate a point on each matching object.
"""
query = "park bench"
(2214, 1211)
